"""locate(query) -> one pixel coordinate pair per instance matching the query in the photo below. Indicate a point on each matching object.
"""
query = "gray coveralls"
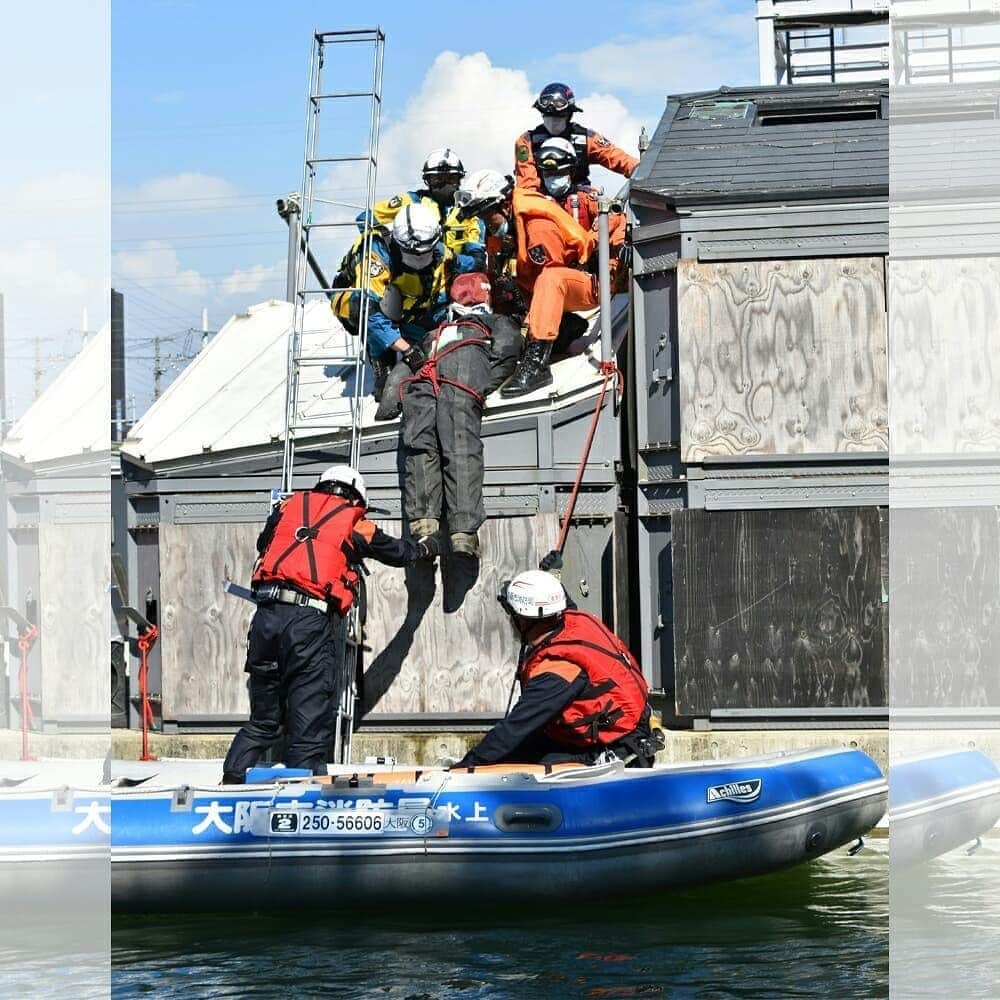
(442, 423)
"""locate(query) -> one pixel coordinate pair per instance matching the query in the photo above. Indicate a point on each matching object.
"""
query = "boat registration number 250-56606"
(346, 822)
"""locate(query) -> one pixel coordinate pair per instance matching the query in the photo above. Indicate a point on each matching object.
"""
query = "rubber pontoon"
(939, 801)
(396, 837)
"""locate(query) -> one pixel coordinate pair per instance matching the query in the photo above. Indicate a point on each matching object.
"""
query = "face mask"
(501, 230)
(416, 261)
(443, 193)
(557, 184)
(555, 124)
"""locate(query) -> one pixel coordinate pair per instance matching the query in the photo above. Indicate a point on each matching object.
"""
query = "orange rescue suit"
(551, 249)
(616, 695)
(310, 547)
(591, 147)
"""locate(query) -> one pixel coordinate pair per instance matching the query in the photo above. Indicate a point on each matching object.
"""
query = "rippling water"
(945, 927)
(820, 930)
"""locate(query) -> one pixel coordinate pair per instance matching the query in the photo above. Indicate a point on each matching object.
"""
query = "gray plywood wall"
(944, 330)
(439, 641)
(782, 357)
(74, 568)
(945, 586)
(779, 609)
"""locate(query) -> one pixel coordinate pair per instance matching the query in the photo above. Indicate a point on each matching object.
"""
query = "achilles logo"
(736, 791)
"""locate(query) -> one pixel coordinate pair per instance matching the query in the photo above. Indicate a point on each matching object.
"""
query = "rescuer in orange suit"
(306, 578)
(556, 259)
(582, 693)
(557, 104)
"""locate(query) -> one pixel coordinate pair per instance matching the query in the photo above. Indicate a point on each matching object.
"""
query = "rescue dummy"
(442, 173)
(582, 693)
(468, 357)
(408, 268)
(556, 264)
(557, 104)
(304, 581)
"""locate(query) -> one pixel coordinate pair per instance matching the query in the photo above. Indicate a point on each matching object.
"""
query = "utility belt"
(277, 594)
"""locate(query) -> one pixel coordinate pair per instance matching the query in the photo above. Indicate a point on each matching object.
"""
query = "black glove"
(551, 560)
(429, 547)
(415, 358)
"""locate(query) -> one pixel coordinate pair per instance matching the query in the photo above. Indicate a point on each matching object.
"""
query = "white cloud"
(158, 260)
(665, 65)
(269, 278)
(478, 109)
(208, 191)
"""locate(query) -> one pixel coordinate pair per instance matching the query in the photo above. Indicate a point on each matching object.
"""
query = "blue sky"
(206, 117)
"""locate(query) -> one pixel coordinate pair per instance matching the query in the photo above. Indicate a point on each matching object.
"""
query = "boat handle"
(516, 818)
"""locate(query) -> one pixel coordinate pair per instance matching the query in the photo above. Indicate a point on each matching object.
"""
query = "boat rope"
(609, 370)
(147, 639)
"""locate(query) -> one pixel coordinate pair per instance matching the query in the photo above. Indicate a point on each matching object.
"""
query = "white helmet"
(347, 477)
(481, 190)
(442, 161)
(533, 594)
(556, 155)
(416, 229)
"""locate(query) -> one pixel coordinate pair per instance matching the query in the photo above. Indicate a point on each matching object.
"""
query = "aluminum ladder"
(304, 232)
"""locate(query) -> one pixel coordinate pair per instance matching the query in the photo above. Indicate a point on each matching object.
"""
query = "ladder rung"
(328, 291)
(317, 427)
(323, 359)
(345, 93)
(337, 159)
(329, 225)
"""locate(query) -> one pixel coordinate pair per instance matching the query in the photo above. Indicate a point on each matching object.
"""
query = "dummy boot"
(465, 544)
(532, 370)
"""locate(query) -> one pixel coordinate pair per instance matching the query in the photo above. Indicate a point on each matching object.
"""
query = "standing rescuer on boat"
(582, 692)
(305, 580)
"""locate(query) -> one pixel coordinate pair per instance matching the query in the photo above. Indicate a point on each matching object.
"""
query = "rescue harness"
(613, 703)
(314, 556)
(429, 373)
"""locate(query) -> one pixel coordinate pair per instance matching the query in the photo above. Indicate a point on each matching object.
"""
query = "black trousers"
(443, 445)
(292, 663)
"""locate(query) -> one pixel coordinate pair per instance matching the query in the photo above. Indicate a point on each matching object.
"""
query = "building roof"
(764, 144)
(229, 403)
(72, 417)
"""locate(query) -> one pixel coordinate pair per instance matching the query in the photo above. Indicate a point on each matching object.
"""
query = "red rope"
(609, 370)
(146, 642)
(24, 643)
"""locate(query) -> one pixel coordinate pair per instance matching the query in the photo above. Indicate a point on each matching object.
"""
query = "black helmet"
(556, 99)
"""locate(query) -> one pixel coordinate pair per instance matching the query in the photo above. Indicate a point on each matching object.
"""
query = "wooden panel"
(945, 620)
(203, 643)
(440, 641)
(945, 339)
(778, 609)
(782, 357)
(75, 567)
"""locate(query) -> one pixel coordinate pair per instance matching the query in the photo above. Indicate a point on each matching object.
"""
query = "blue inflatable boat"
(939, 801)
(403, 837)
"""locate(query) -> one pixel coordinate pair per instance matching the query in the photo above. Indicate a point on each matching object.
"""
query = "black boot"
(532, 370)
(382, 365)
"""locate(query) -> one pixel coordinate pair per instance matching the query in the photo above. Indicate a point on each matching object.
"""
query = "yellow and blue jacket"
(465, 238)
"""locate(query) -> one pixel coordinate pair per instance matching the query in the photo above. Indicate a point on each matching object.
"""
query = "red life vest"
(310, 548)
(612, 704)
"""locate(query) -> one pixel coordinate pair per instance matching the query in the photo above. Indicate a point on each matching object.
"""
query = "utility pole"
(117, 366)
(38, 366)
(204, 328)
(157, 367)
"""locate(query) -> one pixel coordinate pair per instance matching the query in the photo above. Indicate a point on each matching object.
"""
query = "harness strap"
(311, 532)
(429, 373)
